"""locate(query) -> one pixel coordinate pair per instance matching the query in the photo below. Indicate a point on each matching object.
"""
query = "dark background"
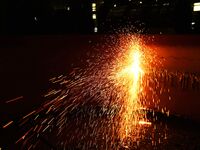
(75, 16)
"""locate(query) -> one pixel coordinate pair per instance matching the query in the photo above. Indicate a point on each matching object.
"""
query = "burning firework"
(98, 106)
(131, 77)
(128, 75)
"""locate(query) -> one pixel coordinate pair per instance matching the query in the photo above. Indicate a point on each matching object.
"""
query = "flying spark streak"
(8, 124)
(15, 99)
(31, 113)
(144, 122)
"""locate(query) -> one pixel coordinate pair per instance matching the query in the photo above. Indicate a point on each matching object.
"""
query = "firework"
(99, 106)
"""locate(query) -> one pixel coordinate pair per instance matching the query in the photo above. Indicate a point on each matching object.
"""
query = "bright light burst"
(130, 76)
(133, 74)
(97, 106)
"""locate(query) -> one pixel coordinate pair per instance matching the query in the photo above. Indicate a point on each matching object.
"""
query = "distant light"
(140, 2)
(115, 5)
(94, 16)
(68, 8)
(192, 23)
(94, 6)
(196, 6)
(95, 29)
(129, 0)
(166, 4)
(35, 18)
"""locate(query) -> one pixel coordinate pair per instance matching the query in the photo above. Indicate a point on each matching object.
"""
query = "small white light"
(192, 23)
(95, 29)
(68, 8)
(166, 4)
(140, 2)
(94, 16)
(93, 4)
(115, 5)
(35, 18)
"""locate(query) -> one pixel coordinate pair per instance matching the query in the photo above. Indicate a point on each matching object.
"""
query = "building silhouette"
(98, 16)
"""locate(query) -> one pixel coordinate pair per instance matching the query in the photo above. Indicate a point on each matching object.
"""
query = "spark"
(7, 124)
(29, 114)
(141, 122)
(15, 99)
